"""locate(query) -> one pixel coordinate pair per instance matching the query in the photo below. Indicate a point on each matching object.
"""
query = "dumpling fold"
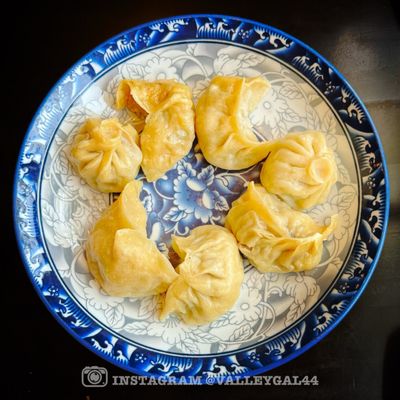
(120, 256)
(167, 111)
(300, 168)
(210, 275)
(106, 154)
(223, 128)
(273, 236)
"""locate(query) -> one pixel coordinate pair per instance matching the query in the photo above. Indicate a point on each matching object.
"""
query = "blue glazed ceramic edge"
(307, 332)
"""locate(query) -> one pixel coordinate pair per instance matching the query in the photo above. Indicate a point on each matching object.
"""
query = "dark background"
(361, 38)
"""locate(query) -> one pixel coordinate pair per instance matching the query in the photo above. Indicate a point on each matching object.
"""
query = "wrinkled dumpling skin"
(120, 256)
(106, 154)
(210, 275)
(167, 109)
(301, 169)
(222, 124)
(273, 236)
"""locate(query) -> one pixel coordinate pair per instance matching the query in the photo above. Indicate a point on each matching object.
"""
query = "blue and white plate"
(278, 316)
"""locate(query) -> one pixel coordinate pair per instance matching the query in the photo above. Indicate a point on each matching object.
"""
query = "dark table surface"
(362, 39)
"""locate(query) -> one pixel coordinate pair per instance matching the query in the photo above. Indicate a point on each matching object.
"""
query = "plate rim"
(314, 53)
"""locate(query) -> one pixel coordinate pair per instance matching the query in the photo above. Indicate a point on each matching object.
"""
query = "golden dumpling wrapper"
(167, 111)
(210, 275)
(273, 236)
(222, 122)
(120, 257)
(106, 154)
(301, 169)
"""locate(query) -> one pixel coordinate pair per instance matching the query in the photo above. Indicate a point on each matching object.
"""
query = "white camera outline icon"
(94, 376)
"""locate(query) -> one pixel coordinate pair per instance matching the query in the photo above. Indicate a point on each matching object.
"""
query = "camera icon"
(94, 377)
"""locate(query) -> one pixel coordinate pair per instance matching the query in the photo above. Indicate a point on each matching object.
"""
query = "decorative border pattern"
(333, 307)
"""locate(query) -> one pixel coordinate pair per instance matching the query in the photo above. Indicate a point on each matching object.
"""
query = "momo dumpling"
(273, 236)
(301, 169)
(106, 154)
(120, 256)
(210, 275)
(222, 122)
(166, 107)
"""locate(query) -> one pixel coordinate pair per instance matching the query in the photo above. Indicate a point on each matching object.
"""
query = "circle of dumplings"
(278, 316)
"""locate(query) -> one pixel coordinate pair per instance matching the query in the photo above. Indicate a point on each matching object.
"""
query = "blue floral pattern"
(54, 208)
(194, 193)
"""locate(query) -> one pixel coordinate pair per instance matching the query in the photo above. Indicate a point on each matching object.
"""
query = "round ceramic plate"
(278, 316)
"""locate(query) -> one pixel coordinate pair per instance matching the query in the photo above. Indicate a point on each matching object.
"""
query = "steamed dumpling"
(106, 154)
(210, 275)
(301, 169)
(273, 236)
(222, 124)
(166, 107)
(120, 256)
